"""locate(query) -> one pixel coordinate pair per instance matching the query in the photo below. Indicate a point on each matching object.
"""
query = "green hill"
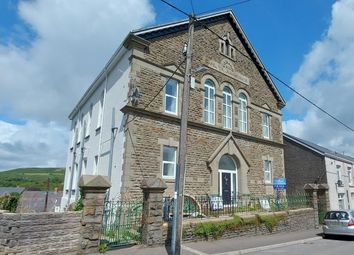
(33, 178)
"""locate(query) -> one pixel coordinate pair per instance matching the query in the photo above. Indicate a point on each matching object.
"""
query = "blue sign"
(279, 183)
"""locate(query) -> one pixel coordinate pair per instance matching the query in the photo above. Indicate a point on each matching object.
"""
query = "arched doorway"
(227, 179)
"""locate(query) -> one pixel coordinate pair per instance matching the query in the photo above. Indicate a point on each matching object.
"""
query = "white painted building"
(97, 127)
(306, 162)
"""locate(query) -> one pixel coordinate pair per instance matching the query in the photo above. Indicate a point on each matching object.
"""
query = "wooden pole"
(183, 139)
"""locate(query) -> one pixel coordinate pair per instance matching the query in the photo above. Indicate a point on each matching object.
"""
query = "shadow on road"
(338, 237)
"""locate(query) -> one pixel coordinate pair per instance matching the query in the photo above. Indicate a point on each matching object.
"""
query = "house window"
(84, 165)
(242, 113)
(100, 111)
(350, 176)
(267, 168)
(339, 173)
(169, 162)
(171, 95)
(222, 47)
(265, 125)
(341, 201)
(227, 108)
(209, 102)
(89, 121)
(95, 165)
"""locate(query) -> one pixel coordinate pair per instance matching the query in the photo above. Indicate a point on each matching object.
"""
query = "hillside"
(33, 178)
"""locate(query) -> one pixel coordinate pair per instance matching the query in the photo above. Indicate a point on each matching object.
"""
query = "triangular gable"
(161, 30)
(230, 147)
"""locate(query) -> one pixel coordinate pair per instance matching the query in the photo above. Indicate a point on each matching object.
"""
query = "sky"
(51, 51)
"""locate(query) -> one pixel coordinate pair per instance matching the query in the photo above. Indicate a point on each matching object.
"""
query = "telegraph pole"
(176, 247)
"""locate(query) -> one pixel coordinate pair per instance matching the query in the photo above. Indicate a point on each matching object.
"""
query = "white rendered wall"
(332, 180)
(97, 140)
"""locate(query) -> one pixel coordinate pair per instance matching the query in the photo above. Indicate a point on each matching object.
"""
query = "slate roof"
(33, 201)
(8, 190)
(319, 149)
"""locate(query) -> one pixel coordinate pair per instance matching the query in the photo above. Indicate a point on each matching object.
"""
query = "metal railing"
(121, 223)
(215, 206)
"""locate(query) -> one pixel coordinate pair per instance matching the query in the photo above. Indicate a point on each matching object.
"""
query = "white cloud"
(74, 39)
(42, 81)
(32, 144)
(326, 76)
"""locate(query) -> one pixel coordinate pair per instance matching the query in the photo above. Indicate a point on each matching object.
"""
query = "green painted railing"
(121, 224)
(215, 206)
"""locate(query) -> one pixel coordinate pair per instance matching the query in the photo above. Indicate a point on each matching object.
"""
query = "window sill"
(166, 178)
(171, 113)
(98, 130)
(87, 137)
(78, 143)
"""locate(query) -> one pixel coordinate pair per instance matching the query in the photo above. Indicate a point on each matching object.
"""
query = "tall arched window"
(242, 113)
(209, 102)
(227, 107)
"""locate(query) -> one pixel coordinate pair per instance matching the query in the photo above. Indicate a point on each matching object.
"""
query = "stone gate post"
(152, 218)
(93, 190)
(311, 190)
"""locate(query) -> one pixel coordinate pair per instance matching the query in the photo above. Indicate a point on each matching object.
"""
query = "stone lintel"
(153, 184)
(94, 183)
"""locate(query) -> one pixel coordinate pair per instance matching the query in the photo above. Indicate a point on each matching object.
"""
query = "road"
(306, 242)
(316, 247)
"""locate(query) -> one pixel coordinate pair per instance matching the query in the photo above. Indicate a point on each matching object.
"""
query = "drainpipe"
(72, 166)
(82, 149)
(102, 121)
(113, 134)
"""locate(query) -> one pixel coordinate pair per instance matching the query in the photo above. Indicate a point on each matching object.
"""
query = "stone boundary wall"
(39, 233)
(294, 220)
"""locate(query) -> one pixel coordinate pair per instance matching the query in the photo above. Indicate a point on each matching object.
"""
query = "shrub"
(9, 202)
(270, 221)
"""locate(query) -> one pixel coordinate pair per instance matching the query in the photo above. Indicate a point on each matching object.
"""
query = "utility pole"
(46, 197)
(176, 247)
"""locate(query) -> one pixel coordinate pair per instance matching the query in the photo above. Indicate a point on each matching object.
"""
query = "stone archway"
(230, 148)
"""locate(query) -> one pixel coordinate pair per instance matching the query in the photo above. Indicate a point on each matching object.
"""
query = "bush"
(270, 221)
(9, 202)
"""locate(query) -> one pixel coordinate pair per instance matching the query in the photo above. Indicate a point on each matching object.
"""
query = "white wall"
(332, 180)
(114, 86)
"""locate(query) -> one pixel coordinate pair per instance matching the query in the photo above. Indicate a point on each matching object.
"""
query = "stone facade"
(300, 160)
(151, 128)
(65, 233)
(124, 111)
(40, 233)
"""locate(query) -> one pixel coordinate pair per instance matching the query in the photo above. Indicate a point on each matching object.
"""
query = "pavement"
(233, 246)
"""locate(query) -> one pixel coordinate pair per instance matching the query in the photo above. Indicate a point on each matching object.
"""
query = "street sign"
(279, 183)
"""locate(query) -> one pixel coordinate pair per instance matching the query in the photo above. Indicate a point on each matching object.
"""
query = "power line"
(169, 78)
(175, 7)
(268, 72)
(226, 6)
(192, 7)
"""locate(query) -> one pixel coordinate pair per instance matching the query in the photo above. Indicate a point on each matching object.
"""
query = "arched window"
(227, 107)
(242, 113)
(209, 102)
(227, 179)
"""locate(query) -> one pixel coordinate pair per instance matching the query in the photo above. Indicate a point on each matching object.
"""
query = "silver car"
(339, 222)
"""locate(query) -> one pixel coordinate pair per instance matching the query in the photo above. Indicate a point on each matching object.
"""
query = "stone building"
(126, 125)
(306, 162)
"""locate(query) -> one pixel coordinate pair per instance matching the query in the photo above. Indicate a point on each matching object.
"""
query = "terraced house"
(126, 125)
